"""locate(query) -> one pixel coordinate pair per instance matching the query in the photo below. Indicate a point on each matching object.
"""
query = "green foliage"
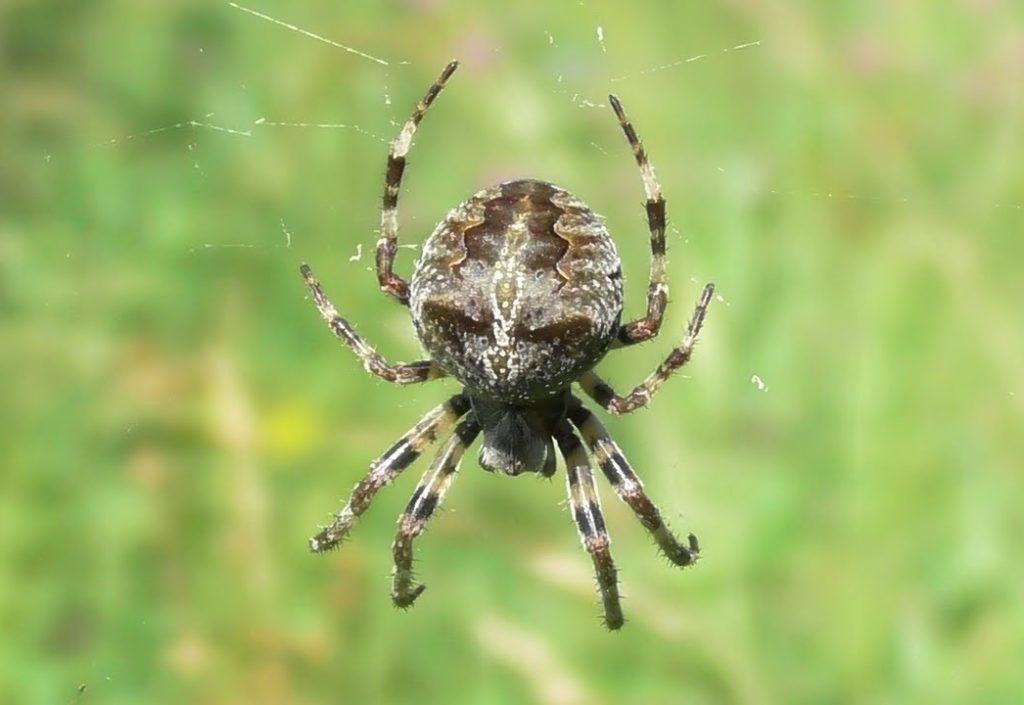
(177, 420)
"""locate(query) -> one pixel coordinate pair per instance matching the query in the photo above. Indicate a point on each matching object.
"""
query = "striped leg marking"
(601, 392)
(373, 361)
(585, 506)
(629, 487)
(387, 467)
(387, 245)
(657, 292)
(428, 496)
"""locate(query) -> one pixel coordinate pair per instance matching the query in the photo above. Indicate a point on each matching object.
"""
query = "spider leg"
(428, 496)
(373, 361)
(387, 467)
(657, 292)
(601, 392)
(628, 486)
(387, 245)
(586, 511)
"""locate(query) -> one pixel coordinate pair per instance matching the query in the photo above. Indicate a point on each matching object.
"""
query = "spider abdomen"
(518, 291)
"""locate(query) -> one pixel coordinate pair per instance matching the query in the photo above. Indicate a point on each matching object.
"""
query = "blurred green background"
(177, 419)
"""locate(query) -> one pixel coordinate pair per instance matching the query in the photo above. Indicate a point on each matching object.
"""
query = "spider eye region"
(518, 292)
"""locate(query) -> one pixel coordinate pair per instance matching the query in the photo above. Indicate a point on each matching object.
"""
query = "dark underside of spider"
(517, 293)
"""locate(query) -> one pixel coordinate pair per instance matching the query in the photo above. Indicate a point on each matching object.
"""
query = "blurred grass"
(178, 420)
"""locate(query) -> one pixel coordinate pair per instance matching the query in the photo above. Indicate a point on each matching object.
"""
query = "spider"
(517, 295)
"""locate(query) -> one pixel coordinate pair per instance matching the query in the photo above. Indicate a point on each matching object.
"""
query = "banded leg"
(629, 487)
(388, 466)
(387, 245)
(601, 392)
(586, 511)
(373, 361)
(428, 496)
(657, 291)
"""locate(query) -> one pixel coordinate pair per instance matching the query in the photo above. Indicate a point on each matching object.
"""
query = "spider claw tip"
(614, 624)
(405, 600)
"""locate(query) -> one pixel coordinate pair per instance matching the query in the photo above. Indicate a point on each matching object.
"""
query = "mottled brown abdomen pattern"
(518, 291)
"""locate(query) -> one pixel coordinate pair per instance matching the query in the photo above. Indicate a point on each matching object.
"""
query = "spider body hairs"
(517, 295)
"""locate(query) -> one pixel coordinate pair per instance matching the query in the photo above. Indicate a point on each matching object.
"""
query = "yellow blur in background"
(177, 420)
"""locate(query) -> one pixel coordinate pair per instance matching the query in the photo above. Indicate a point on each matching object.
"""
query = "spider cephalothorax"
(517, 295)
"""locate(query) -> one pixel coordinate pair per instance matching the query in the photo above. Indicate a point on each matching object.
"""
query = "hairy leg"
(585, 506)
(428, 496)
(628, 486)
(387, 245)
(373, 361)
(387, 467)
(657, 291)
(601, 392)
